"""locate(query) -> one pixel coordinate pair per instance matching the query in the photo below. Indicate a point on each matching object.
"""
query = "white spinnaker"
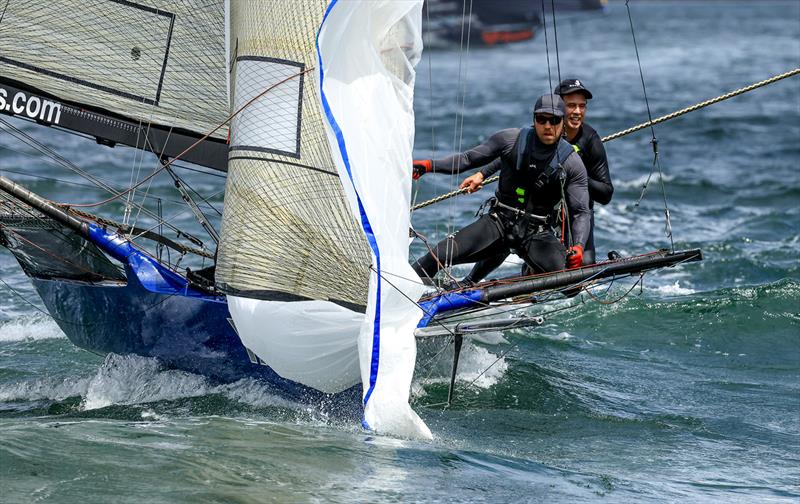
(367, 51)
(311, 342)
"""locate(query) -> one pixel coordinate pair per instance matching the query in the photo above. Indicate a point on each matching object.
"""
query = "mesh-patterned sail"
(153, 61)
(286, 226)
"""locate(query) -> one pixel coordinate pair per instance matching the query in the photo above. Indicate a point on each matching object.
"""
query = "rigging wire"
(47, 151)
(90, 186)
(159, 154)
(458, 131)
(172, 217)
(430, 98)
(202, 198)
(4, 11)
(555, 36)
(546, 46)
(653, 141)
(133, 176)
(51, 179)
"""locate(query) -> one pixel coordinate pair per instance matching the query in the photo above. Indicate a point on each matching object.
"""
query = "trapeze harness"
(523, 207)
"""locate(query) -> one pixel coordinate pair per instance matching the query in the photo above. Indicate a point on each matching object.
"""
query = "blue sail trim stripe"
(365, 224)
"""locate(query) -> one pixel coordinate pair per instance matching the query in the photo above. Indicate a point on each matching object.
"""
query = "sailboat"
(308, 106)
(450, 23)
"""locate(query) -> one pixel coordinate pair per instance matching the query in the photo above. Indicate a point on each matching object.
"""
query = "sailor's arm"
(495, 146)
(600, 187)
(491, 168)
(475, 182)
(576, 192)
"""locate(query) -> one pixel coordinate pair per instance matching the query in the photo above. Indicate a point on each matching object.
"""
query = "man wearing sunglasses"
(542, 180)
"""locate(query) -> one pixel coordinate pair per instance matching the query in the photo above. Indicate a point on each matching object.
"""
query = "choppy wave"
(29, 328)
(704, 313)
(583, 358)
(123, 382)
(57, 389)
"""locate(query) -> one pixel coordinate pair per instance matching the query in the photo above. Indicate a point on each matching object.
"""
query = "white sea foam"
(255, 393)
(639, 182)
(29, 328)
(44, 388)
(674, 289)
(481, 366)
(477, 366)
(129, 379)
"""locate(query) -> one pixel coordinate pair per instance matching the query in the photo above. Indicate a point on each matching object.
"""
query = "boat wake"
(478, 366)
(130, 379)
(135, 388)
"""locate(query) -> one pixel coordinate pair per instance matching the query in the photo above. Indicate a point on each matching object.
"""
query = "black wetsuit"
(589, 147)
(529, 186)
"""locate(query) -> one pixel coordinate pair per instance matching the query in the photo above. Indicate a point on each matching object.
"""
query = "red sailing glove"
(575, 257)
(421, 167)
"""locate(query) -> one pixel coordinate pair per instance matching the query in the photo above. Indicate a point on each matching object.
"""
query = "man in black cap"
(589, 146)
(541, 178)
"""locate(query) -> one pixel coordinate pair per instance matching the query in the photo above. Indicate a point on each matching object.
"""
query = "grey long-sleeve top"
(498, 152)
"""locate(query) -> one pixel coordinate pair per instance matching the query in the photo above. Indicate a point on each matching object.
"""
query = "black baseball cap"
(550, 104)
(569, 86)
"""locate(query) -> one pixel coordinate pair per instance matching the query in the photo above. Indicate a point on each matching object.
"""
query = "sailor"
(589, 146)
(541, 179)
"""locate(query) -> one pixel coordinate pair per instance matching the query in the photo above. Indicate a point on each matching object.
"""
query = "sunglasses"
(553, 120)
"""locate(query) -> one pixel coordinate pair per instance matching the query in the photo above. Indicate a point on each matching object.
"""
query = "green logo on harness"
(521, 194)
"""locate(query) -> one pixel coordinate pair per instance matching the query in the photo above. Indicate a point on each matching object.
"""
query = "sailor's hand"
(575, 257)
(421, 167)
(473, 183)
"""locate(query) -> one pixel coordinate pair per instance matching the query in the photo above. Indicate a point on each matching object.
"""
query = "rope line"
(555, 37)
(546, 47)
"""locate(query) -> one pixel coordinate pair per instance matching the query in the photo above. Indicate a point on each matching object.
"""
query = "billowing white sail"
(314, 239)
(367, 53)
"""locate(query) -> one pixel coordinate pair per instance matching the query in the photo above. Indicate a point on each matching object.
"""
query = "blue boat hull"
(190, 333)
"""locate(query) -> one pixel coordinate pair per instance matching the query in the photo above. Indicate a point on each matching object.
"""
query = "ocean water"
(687, 390)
